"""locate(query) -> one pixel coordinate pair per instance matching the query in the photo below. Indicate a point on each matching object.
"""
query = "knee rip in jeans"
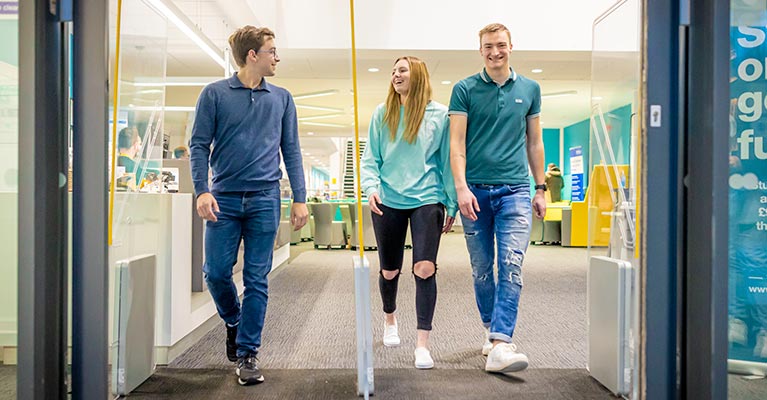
(480, 278)
(470, 234)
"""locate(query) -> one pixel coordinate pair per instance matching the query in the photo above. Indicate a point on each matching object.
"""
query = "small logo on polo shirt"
(518, 101)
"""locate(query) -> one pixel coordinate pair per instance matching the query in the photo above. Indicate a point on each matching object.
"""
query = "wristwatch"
(541, 187)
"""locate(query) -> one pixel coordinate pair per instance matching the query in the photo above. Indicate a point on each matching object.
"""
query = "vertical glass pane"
(9, 95)
(747, 300)
(140, 210)
(611, 197)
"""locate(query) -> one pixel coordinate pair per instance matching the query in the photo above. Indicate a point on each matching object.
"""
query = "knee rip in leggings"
(427, 269)
(514, 259)
(390, 275)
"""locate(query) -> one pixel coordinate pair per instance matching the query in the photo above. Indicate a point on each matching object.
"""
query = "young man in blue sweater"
(242, 124)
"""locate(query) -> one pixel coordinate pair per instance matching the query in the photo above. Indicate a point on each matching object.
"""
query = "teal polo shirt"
(496, 131)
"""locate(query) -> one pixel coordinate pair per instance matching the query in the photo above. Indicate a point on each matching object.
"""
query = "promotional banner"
(748, 195)
(576, 170)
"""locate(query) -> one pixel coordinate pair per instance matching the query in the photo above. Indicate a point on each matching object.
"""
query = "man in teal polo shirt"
(495, 134)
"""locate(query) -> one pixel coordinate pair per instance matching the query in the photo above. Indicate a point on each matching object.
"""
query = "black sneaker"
(248, 372)
(231, 343)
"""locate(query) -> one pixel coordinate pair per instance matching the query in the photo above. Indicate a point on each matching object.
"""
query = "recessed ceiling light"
(446, 82)
(559, 94)
(596, 98)
(373, 69)
(536, 70)
(310, 133)
(308, 154)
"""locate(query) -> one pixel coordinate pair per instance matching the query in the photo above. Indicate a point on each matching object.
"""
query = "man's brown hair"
(248, 38)
(492, 28)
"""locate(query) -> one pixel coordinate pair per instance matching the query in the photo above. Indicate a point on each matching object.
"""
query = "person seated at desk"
(181, 153)
(554, 182)
(128, 145)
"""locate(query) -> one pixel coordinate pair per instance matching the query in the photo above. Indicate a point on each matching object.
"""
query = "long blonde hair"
(419, 95)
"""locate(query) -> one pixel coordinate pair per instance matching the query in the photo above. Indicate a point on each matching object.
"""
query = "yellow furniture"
(589, 219)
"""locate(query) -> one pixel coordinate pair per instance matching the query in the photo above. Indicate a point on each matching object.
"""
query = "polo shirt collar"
(485, 77)
(234, 83)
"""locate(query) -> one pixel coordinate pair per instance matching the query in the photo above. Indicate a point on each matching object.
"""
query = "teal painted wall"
(618, 122)
(551, 146)
(9, 45)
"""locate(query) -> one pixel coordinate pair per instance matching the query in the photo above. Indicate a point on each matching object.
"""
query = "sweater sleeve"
(370, 169)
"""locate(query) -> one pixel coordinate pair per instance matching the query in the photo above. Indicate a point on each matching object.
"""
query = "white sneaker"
(504, 358)
(737, 332)
(488, 344)
(423, 358)
(391, 335)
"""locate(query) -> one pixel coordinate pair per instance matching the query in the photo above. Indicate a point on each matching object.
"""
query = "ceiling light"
(308, 154)
(318, 108)
(175, 81)
(162, 108)
(446, 82)
(323, 124)
(185, 25)
(315, 94)
(536, 70)
(323, 116)
(596, 98)
(310, 133)
(373, 69)
(559, 94)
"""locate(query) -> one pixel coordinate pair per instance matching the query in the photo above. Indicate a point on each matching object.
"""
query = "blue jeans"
(254, 218)
(505, 218)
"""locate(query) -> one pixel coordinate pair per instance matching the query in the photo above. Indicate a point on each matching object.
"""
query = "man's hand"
(448, 224)
(467, 203)
(207, 207)
(299, 214)
(374, 201)
(539, 204)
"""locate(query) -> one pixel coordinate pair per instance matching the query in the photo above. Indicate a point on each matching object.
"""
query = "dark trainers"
(248, 372)
(231, 343)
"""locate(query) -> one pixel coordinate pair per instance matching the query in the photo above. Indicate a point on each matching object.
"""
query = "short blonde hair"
(245, 39)
(492, 28)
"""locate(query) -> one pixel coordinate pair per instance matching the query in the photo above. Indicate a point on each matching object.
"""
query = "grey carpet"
(310, 321)
(746, 389)
(213, 384)
(7, 382)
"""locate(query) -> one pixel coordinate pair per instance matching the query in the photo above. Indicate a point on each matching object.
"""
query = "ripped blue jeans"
(505, 217)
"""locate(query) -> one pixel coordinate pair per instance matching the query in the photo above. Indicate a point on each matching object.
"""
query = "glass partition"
(139, 212)
(747, 300)
(9, 140)
(610, 173)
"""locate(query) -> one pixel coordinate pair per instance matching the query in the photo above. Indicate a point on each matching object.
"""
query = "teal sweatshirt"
(408, 175)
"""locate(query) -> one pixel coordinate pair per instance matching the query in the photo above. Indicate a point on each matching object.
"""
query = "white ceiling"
(312, 70)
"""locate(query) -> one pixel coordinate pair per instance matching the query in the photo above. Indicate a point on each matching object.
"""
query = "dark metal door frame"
(42, 204)
(660, 209)
(706, 253)
(42, 200)
(90, 269)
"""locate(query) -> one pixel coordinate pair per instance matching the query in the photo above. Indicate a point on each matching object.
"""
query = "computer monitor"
(178, 174)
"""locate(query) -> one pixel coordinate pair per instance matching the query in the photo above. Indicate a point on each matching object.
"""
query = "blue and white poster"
(577, 192)
(747, 300)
